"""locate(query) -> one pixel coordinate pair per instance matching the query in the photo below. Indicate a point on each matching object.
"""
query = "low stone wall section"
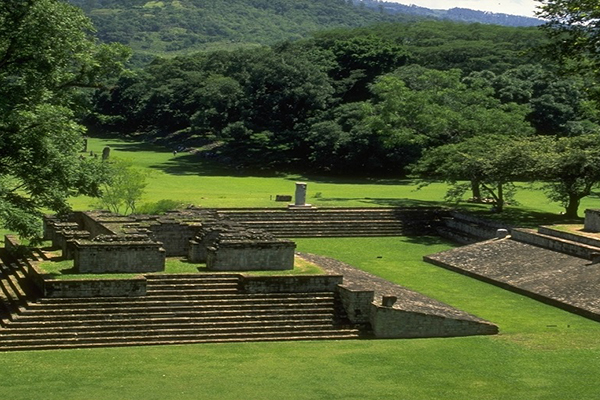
(125, 287)
(290, 284)
(251, 256)
(389, 322)
(592, 220)
(583, 239)
(118, 257)
(560, 245)
(425, 317)
(357, 304)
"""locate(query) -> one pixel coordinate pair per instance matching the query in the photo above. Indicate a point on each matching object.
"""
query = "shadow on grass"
(426, 240)
(388, 202)
(525, 218)
(196, 164)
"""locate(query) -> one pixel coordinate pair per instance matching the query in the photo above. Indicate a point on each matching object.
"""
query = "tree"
(417, 108)
(123, 186)
(492, 162)
(571, 167)
(575, 27)
(47, 57)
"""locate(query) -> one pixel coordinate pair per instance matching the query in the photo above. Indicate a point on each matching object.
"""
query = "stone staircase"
(547, 237)
(178, 309)
(336, 222)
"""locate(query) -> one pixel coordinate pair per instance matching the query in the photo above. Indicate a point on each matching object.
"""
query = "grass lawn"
(540, 353)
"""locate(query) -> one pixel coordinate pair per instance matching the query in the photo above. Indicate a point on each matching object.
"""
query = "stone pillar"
(592, 221)
(300, 197)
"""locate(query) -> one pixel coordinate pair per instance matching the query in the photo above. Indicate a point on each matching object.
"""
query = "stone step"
(175, 302)
(183, 287)
(179, 306)
(191, 312)
(204, 277)
(191, 291)
(198, 330)
(12, 293)
(181, 323)
(334, 334)
(554, 243)
(175, 297)
(584, 238)
(155, 320)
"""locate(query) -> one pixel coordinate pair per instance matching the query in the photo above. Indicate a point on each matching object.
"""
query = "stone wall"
(126, 287)
(553, 243)
(388, 322)
(11, 243)
(290, 284)
(174, 236)
(92, 222)
(357, 304)
(251, 256)
(118, 257)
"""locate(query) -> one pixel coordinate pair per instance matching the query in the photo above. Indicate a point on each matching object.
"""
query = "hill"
(159, 27)
(453, 14)
(153, 28)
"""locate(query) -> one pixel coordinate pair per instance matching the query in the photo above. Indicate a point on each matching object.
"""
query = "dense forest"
(391, 99)
(180, 26)
(171, 27)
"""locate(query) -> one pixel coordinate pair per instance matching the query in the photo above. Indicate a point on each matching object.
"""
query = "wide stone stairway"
(336, 222)
(178, 309)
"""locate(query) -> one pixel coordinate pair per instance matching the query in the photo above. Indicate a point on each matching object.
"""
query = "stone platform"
(412, 315)
(561, 280)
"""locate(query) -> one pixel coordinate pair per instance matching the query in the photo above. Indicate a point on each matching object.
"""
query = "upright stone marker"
(300, 198)
(105, 153)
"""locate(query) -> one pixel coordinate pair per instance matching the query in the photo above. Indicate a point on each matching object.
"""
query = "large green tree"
(48, 58)
(575, 26)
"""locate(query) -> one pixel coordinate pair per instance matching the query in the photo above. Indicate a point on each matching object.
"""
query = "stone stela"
(300, 198)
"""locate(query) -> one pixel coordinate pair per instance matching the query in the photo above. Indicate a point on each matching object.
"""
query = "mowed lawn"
(541, 352)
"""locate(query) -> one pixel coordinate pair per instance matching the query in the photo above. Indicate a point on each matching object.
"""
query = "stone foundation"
(118, 257)
(233, 255)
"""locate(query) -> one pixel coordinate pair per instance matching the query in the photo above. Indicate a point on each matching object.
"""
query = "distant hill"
(453, 14)
(176, 26)
(173, 27)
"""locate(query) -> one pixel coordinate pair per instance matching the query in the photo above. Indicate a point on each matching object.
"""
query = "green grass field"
(540, 353)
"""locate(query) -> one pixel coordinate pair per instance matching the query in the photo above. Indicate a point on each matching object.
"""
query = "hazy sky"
(515, 7)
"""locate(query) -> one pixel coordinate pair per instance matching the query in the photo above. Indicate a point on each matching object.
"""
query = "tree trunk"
(500, 200)
(476, 190)
(572, 206)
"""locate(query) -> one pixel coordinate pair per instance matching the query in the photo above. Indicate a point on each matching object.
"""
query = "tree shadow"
(388, 202)
(525, 218)
(199, 164)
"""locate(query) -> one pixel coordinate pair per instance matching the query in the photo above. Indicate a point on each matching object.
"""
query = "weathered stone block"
(118, 257)
(251, 256)
(592, 220)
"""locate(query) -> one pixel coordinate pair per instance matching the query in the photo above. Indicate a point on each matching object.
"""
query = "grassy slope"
(541, 353)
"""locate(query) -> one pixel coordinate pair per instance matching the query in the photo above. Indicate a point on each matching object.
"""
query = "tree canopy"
(47, 57)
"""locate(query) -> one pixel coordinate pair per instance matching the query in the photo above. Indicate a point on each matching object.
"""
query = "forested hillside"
(155, 27)
(183, 26)
(453, 14)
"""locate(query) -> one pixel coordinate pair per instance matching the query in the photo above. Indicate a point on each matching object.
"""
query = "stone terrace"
(556, 278)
